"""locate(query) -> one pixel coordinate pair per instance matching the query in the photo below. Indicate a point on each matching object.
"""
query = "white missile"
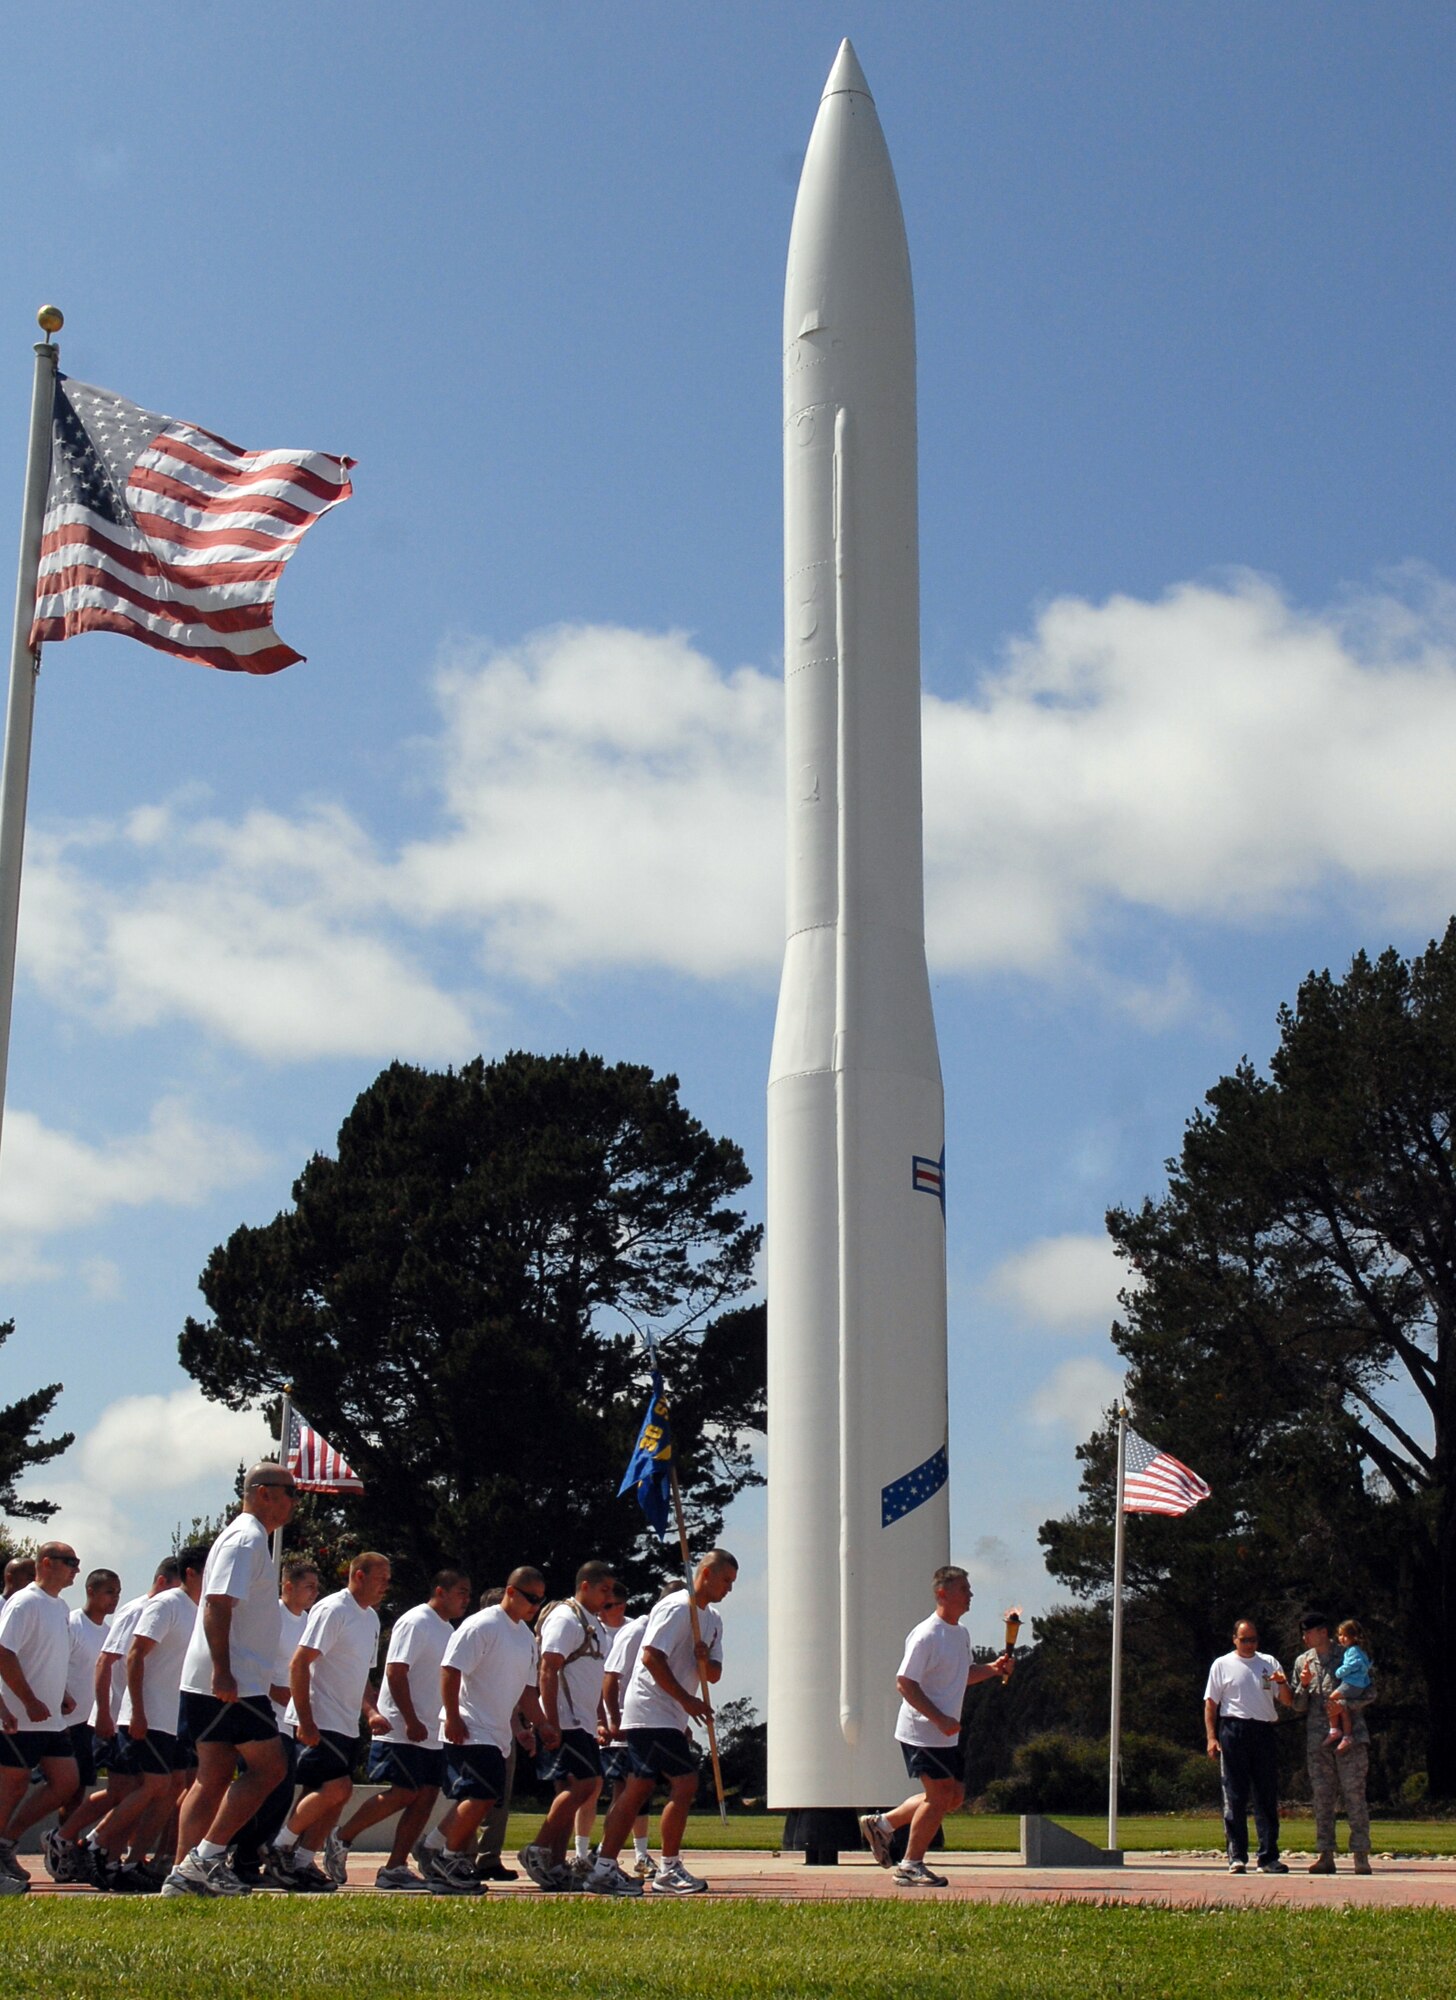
(858, 1503)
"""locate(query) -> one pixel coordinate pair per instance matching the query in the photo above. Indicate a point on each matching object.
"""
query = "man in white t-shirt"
(572, 1644)
(89, 1625)
(298, 1590)
(488, 1695)
(682, 1647)
(35, 1654)
(934, 1675)
(626, 1645)
(147, 1730)
(1239, 1715)
(331, 1684)
(226, 1713)
(408, 1757)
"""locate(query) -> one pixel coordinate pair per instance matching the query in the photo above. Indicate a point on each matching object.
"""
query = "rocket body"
(858, 1502)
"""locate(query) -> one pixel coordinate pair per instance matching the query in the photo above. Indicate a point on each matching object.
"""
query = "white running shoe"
(915, 1875)
(672, 1879)
(877, 1837)
(335, 1861)
(645, 1869)
(607, 1879)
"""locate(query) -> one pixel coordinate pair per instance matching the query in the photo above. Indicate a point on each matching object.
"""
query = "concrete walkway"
(999, 1878)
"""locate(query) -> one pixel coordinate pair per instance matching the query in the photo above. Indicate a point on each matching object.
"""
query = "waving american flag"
(1158, 1483)
(315, 1464)
(170, 534)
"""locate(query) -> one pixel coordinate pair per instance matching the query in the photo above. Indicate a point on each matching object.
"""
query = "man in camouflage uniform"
(1333, 1777)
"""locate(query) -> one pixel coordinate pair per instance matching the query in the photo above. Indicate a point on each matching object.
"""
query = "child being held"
(1352, 1678)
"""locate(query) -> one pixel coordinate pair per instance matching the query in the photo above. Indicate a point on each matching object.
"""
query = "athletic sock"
(434, 1841)
(285, 1842)
(211, 1850)
(583, 1846)
(639, 1841)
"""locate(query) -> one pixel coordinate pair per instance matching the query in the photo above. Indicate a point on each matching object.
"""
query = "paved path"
(999, 1878)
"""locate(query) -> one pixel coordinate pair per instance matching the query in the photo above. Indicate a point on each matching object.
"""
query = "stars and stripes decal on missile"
(928, 1176)
(906, 1494)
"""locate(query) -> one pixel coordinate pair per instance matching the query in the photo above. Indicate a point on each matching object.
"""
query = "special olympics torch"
(1013, 1630)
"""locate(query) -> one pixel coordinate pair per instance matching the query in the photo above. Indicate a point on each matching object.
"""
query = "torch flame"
(1013, 1626)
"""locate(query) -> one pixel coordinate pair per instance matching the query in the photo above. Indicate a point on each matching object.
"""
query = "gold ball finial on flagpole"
(50, 319)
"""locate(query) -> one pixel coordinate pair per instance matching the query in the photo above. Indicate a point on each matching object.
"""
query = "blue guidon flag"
(928, 1176)
(649, 1473)
(906, 1494)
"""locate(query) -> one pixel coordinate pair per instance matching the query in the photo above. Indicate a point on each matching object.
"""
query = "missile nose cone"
(846, 73)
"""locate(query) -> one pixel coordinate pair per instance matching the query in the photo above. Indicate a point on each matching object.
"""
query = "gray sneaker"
(403, 1880)
(10, 1887)
(607, 1879)
(915, 1875)
(335, 1861)
(9, 1865)
(59, 1855)
(310, 1880)
(876, 1837)
(454, 1875)
(672, 1879)
(425, 1858)
(539, 1866)
(195, 1877)
(645, 1868)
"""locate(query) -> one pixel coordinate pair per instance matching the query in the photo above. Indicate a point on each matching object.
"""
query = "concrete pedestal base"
(1044, 1844)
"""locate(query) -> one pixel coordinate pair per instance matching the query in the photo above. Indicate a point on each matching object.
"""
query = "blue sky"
(1184, 284)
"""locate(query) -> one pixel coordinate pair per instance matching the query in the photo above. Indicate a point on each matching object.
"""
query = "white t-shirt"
(669, 1629)
(119, 1635)
(579, 1685)
(418, 1642)
(168, 1618)
(36, 1627)
(938, 1659)
(1244, 1687)
(239, 1566)
(290, 1632)
(497, 1662)
(626, 1645)
(85, 1643)
(345, 1635)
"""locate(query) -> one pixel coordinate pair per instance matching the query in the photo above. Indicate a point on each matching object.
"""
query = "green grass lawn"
(367, 1948)
(985, 1833)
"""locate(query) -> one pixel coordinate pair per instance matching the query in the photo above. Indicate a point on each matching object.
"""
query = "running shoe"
(607, 1879)
(402, 1880)
(9, 1865)
(1238, 1867)
(454, 1875)
(672, 1879)
(645, 1868)
(539, 1866)
(195, 1877)
(335, 1861)
(1271, 1868)
(877, 1837)
(10, 1887)
(59, 1856)
(915, 1875)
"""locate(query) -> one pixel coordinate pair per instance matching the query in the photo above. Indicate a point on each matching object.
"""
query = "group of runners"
(226, 1719)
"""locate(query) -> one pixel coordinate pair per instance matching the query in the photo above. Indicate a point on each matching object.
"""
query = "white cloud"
(613, 798)
(610, 798)
(1075, 1396)
(52, 1181)
(146, 1463)
(1067, 1283)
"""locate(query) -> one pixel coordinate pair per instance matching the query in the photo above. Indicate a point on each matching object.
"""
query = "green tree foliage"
(1289, 1333)
(456, 1299)
(21, 1447)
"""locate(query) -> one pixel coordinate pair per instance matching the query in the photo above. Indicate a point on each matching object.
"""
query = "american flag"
(1157, 1483)
(315, 1464)
(904, 1495)
(169, 533)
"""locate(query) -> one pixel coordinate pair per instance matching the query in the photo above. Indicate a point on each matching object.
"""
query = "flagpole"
(687, 1561)
(1119, 1553)
(285, 1432)
(24, 668)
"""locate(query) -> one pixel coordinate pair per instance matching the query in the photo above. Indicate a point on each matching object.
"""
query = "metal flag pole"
(285, 1433)
(1119, 1553)
(24, 668)
(687, 1562)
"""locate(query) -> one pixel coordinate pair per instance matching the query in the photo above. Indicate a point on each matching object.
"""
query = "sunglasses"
(531, 1596)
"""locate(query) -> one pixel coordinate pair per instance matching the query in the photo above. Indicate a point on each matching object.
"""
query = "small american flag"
(1156, 1482)
(170, 534)
(315, 1464)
